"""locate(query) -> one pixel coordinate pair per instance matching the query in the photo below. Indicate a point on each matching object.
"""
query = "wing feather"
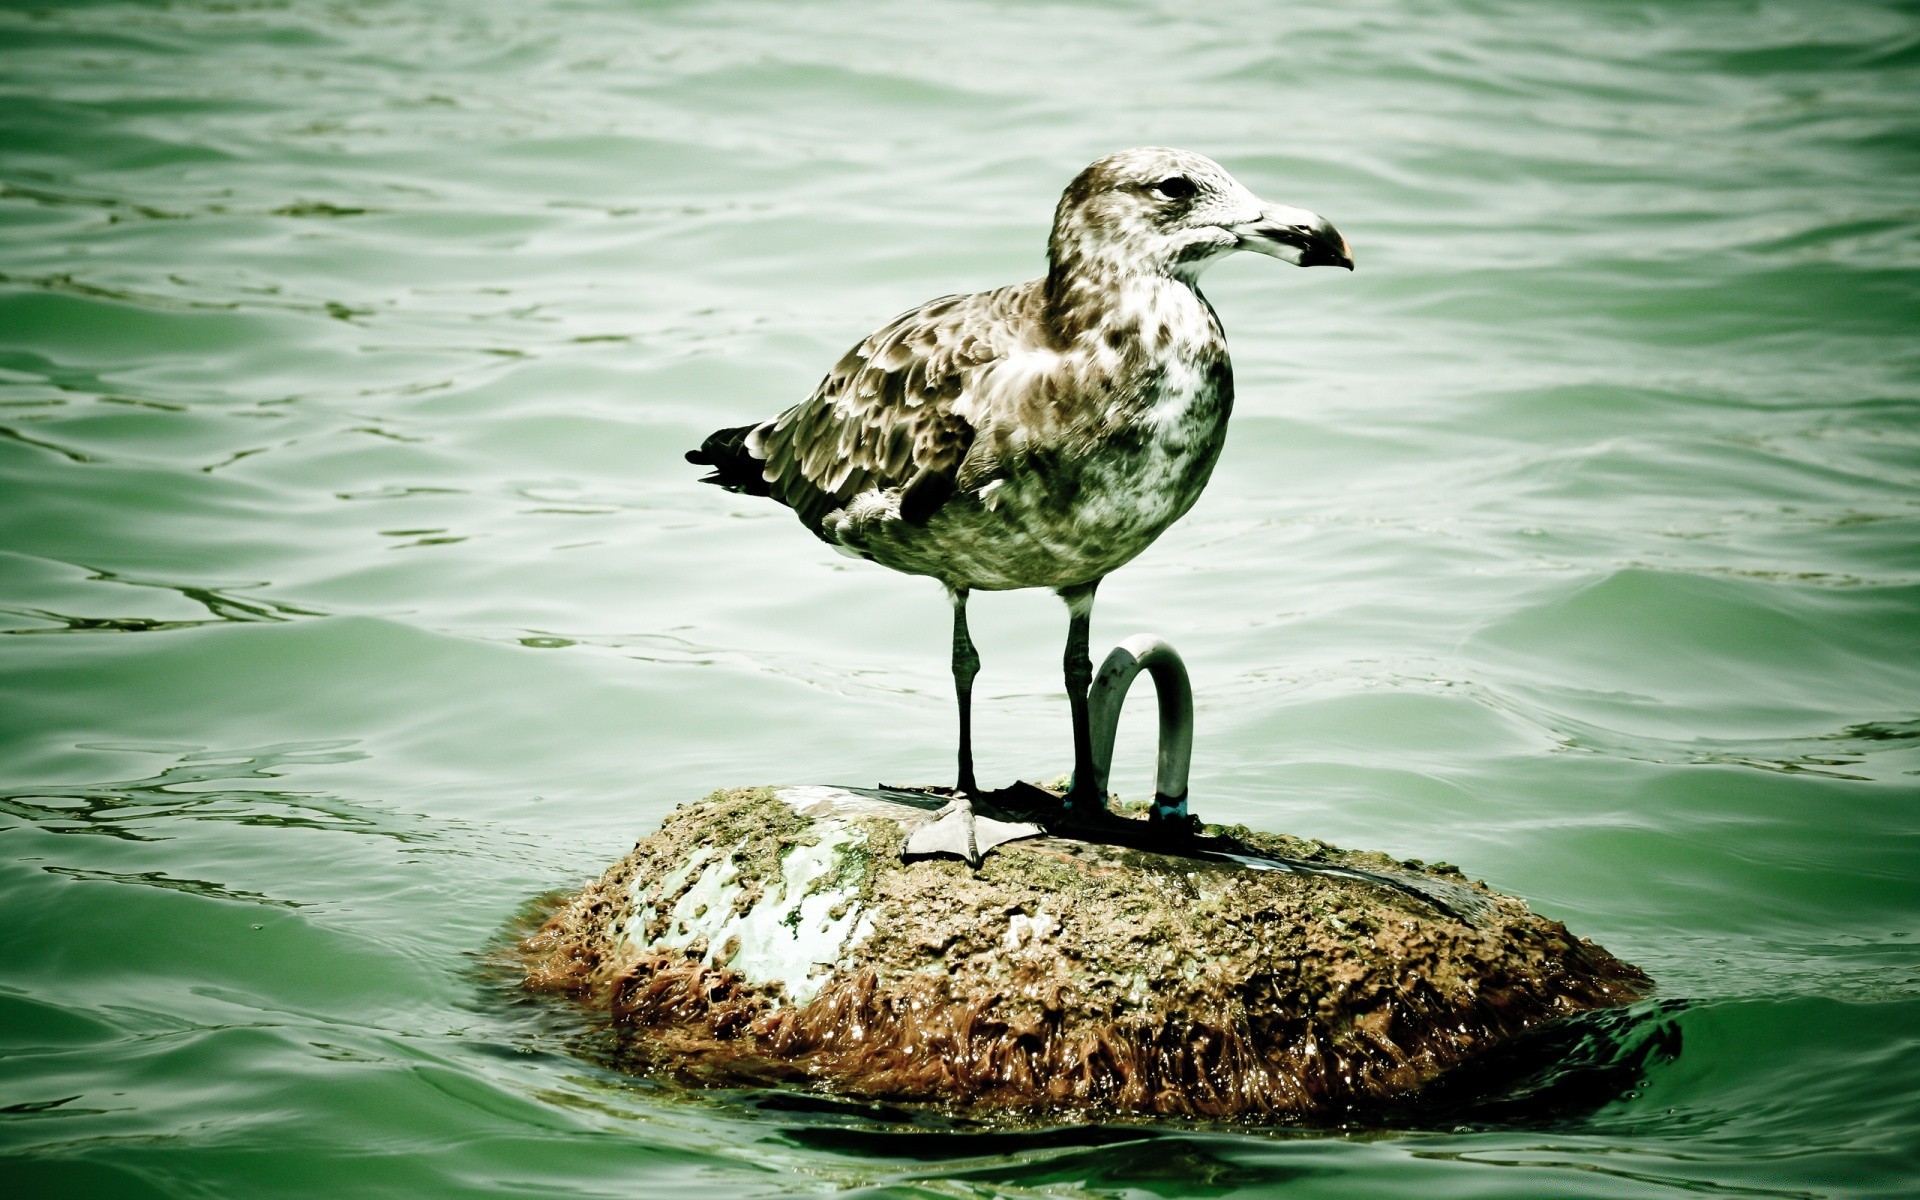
(888, 415)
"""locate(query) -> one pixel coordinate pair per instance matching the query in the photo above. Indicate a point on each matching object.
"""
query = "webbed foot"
(963, 833)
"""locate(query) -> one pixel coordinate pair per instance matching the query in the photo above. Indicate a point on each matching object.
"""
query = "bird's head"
(1174, 212)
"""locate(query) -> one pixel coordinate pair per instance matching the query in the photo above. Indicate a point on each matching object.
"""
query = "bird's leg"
(954, 829)
(966, 664)
(1083, 799)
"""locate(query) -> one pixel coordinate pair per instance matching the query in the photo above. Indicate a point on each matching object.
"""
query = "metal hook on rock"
(1140, 652)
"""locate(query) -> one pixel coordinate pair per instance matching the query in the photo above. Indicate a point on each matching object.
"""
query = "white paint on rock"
(788, 936)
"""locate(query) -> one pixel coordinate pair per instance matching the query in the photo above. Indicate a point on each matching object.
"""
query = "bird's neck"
(1127, 305)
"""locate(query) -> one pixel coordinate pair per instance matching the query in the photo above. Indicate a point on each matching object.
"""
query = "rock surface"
(772, 935)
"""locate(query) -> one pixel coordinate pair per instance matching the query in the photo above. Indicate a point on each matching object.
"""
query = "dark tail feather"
(725, 450)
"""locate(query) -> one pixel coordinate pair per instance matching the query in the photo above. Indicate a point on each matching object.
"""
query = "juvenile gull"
(1041, 434)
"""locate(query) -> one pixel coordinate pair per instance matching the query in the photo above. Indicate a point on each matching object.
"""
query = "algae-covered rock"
(774, 935)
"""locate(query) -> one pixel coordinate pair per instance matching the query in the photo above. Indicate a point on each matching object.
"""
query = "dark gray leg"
(1083, 799)
(966, 664)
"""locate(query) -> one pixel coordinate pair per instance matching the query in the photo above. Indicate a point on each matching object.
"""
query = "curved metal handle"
(1175, 693)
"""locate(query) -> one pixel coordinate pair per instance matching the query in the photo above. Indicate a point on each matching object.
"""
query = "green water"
(356, 593)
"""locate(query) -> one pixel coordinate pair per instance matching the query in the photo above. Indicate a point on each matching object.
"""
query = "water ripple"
(1572, 538)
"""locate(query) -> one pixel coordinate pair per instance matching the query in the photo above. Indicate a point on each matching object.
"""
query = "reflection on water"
(217, 602)
(197, 887)
(140, 809)
(1558, 1076)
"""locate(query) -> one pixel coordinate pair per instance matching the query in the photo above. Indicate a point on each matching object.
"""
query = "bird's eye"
(1175, 187)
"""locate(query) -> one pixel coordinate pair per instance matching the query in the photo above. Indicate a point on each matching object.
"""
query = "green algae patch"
(1061, 976)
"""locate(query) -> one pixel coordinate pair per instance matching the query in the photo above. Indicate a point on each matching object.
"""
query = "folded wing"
(896, 412)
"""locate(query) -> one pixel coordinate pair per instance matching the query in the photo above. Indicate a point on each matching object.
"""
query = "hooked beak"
(1305, 239)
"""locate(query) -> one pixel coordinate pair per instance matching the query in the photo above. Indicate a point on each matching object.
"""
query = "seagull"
(1040, 434)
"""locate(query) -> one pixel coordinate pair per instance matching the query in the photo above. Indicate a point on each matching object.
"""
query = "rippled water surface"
(354, 592)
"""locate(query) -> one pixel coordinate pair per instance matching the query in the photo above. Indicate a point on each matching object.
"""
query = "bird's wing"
(892, 412)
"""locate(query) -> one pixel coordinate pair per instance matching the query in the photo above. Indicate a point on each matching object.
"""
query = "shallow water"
(356, 592)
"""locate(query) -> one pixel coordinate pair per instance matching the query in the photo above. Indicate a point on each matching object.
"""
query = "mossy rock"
(773, 935)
